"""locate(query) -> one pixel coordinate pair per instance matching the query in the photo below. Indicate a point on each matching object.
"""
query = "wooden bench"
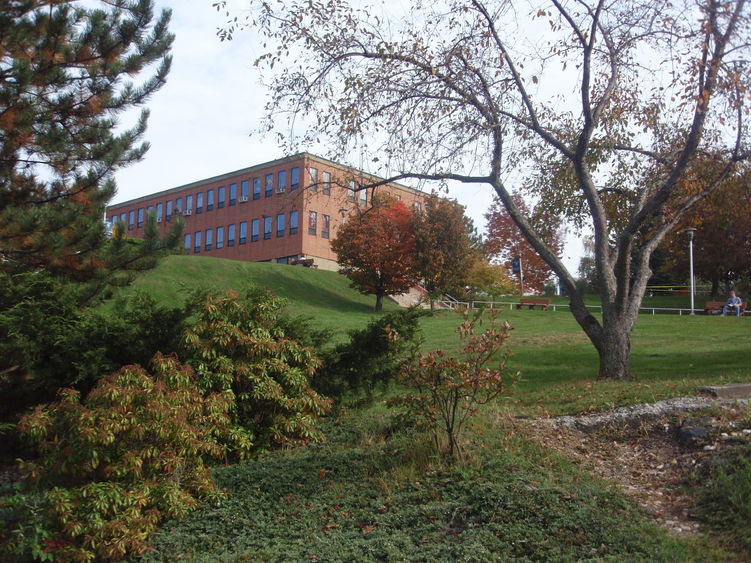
(715, 307)
(532, 302)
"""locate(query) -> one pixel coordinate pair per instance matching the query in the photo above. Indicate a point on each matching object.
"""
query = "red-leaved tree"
(375, 250)
(505, 243)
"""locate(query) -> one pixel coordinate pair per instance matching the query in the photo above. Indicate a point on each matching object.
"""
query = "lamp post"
(691, 232)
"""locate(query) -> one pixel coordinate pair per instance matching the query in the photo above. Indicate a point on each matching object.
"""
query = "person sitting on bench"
(734, 303)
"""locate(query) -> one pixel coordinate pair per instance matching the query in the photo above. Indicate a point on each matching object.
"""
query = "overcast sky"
(202, 120)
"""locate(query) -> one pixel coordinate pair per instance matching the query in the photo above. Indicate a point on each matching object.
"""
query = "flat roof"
(252, 169)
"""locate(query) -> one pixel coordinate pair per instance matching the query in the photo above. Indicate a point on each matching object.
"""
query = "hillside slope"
(325, 296)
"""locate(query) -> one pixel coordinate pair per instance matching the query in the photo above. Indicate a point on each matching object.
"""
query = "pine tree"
(68, 71)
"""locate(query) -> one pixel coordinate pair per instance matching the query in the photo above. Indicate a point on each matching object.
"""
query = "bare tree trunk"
(615, 350)
(379, 302)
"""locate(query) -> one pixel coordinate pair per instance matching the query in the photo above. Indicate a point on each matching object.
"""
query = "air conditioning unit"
(158, 219)
(188, 212)
(280, 190)
(243, 198)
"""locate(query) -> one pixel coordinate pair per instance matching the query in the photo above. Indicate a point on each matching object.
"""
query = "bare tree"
(602, 104)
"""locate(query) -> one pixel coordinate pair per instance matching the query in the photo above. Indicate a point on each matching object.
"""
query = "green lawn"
(672, 354)
(374, 492)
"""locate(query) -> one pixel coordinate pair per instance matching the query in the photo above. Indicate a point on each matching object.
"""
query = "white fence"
(451, 303)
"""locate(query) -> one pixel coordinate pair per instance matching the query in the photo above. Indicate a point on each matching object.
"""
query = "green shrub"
(238, 345)
(112, 467)
(48, 342)
(133, 331)
(372, 357)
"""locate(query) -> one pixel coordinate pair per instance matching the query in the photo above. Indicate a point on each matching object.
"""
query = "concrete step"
(734, 391)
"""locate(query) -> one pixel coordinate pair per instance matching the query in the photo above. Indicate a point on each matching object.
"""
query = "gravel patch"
(645, 410)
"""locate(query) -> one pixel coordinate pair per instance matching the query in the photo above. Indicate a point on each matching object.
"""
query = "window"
(209, 200)
(267, 226)
(199, 202)
(231, 235)
(187, 241)
(188, 203)
(281, 181)
(363, 197)
(169, 210)
(269, 185)
(140, 217)
(179, 205)
(418, 207)
(351, 191)
(220, 199)
(219, 237)
(113, 219)
(131, 219)
(159, 210)
(314, 179)
(122, 218)
(149, 210)
(197, 242)
(327, 183)
(256, 188)
(254, 230)
(232, 194)
(243, 232)
(293, 221)
(295, 178)
(244, 190)
(312, 222)
(326, 226)
(209, 239)
(280, 225)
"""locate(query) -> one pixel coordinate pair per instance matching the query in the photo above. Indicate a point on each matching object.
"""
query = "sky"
(203, 120)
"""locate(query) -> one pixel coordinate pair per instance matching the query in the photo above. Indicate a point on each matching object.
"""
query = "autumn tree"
(505, 242)
(443, 249)
(491, 279)
(605, 104)
(375, 249)
(722, 241)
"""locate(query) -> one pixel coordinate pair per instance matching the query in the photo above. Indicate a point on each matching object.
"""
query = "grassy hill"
(323, 295)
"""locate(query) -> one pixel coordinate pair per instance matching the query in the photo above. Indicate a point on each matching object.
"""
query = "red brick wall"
(303, 199)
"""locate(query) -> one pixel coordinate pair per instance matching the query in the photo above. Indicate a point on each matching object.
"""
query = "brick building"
(284, 211)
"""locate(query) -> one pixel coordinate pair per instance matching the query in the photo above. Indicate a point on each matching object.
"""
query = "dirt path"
(643, 454)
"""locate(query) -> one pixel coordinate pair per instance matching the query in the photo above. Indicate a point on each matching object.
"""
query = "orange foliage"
(375, 250)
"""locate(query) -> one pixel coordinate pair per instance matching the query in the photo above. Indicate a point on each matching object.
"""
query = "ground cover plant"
(372, 493)
(724, 496)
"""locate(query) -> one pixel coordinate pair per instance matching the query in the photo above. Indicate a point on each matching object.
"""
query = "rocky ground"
(652, 450)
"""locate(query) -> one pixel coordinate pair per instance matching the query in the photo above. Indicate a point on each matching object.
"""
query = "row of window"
(136, 218)
(215, 238)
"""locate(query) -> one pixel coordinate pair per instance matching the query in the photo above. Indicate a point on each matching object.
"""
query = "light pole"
(691, 232)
